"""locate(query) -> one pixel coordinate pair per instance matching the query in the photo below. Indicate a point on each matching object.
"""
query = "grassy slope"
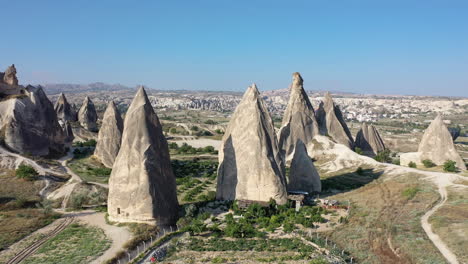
(388, 207)
(76, 244)
(450, 222)
(19, 215)
(90, 169)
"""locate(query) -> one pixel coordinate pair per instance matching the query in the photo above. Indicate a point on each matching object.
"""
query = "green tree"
(428, 163)
(358, 150)
(450, 166)
(383, 156)
(412, 164)
(26, 172)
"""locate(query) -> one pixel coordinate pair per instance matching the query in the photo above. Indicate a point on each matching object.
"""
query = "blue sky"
(383, 47)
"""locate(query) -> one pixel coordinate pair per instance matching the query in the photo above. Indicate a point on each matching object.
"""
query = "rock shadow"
(348, 181)
(227, 173)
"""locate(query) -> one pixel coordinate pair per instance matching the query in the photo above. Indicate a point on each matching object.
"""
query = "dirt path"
(442, 181)
(42, 192)
(200, 142)
(64, 160)
(449, 256)
(20, 159)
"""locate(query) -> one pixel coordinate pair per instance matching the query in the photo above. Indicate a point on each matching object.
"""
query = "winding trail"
(42, 192)
(449, 256)
(442, 181)
(20, 159)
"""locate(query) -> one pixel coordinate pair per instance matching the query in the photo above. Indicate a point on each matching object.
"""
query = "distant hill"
(80, 88)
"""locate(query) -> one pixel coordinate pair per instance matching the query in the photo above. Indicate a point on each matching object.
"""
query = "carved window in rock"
(118, 210)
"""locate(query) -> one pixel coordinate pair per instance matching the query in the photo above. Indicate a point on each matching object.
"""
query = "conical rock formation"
(110, 136)
(9, 77)
(64, 110)
(302, 174)
(368, 140)
(437, 144)
(9, 83)
(299, 121)
(28, 124)
(142, 185)
(331, 122)
(87, 115)
(250, 165)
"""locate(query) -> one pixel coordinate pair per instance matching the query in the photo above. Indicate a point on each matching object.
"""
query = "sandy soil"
(200, 143)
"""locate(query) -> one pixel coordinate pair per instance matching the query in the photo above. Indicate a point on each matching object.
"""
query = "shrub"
(360, 171)
(450, 166)
(412, 164)
(77, 201)
(204, 133)
(26, 172)
(383, 156)
(428, 163)
(173, 145)
(210, 122)
(358, 150)
(409, 193)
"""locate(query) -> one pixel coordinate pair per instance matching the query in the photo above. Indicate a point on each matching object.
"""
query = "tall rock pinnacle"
(250, 165)
(29, 124)
(331, 122)
(368, 140)
(302, 175)
(142, 185)
(87, 115)
(64, 110)
(299, 121)
(110, 136)
(437, 144)
(9, 76)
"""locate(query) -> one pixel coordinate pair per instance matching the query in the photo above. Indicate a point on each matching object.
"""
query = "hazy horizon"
(398, 48)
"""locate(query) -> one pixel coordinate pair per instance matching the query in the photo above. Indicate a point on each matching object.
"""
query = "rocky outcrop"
(436, 145)
(28, 124)
(9, 77)
(64, 110)
(331, 122)
(87, 115)
(68, 132)
(368, 140)
(250, 165)
(299, 121)
(142, 184)
(9, 83)
(302, 174)
(110, 136)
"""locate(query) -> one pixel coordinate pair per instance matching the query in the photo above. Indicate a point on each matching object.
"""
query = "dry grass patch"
(16, 224)
(450, 222)
(76, 244)
(90, 169)
(384, 224)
